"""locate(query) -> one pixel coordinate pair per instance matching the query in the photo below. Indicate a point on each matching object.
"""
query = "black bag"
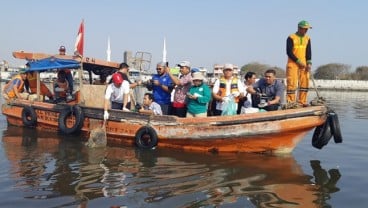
(256, 99)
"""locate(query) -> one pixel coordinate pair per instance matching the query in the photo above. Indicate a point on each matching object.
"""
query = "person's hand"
(126, 109)
(225, 99)
(236, 94)
(156, 82)
(106, 115)
(262, 105)
(309, 67)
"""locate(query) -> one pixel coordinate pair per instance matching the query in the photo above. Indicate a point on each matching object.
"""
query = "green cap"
(304, 24)
(22, 71)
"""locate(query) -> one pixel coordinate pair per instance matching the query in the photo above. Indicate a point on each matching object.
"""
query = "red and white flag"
(79, 43)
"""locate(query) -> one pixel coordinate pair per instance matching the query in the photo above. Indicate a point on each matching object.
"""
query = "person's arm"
(125, 100)
(174, 79)
(215, 89)
(126, 93)
(309, 55)
(280, 88)
(15, 89)
(289, 49)
(148, 111)
(206, 95)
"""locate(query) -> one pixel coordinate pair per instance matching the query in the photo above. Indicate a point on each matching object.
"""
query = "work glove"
(58, 89)
(106, 115)
(126, 109)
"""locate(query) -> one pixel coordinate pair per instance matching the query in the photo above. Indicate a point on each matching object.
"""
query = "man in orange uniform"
(14, 89)
(299, 52)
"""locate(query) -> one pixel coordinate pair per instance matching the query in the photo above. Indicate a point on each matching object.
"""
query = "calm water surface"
(43, 169)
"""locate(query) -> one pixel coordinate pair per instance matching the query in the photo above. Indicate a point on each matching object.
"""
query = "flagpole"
(78, 51)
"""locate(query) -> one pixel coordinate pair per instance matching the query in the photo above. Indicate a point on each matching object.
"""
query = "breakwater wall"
(358, 85)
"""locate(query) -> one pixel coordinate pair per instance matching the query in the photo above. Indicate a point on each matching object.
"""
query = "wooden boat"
(276, 131)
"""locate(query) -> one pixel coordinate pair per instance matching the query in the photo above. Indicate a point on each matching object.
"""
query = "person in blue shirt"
(271, 91)
(162, 87)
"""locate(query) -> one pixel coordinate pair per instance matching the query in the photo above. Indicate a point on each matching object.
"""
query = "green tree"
(259, 69)
(361, 73)
(332, 71)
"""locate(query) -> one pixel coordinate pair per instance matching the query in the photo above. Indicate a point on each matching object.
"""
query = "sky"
(204, 32)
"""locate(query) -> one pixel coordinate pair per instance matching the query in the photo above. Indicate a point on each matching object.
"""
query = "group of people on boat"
(24, 85)
(188, 95)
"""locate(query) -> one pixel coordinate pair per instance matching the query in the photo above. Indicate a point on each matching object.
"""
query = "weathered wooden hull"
(277, 131)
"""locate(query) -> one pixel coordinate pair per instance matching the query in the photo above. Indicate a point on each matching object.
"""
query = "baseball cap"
(184, 63)
(22, 71)
(194, 70)
(304, 24)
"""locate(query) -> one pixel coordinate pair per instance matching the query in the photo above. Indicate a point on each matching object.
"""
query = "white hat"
(197, 76)
(228, 66)
(184, 63)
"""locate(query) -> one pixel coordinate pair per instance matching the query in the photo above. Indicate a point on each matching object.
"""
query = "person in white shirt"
(226, 87)
(150, 106)
(116, 94)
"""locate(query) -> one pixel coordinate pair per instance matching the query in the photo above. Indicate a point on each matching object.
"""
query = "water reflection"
(339, 100)
(65, 173)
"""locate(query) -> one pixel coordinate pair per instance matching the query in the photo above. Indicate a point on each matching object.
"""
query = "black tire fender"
(29, 116)
(322, 135)
(335, 127)
(75, 111)
(146, 138)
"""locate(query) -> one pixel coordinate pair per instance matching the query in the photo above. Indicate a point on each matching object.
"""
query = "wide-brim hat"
(197, 76)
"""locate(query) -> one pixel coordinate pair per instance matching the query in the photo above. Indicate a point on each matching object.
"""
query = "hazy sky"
(205, 32)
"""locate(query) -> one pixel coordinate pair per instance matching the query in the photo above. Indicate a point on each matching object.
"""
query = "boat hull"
(276, 131)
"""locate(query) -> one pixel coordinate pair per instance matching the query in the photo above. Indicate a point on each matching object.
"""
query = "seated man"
(270, 89)
(61, 87)
(150, 106)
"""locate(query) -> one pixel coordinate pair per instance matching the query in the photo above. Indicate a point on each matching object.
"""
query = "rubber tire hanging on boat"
(75, 111)
(29, 116)
(335, 127)
(322, 134)
(146, 138)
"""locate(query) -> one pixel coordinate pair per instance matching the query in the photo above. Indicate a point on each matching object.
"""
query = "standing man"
(179, 107)
(225, 87)
(162, 87)
(68, 72)
(124, 72)
(299, 52)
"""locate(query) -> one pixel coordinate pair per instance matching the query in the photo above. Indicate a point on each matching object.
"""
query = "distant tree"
(333, 71)
(361, 73)
(259, 69)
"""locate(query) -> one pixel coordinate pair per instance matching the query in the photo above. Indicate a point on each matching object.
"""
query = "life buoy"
(75, 111)
(29, 116)
(335, 127)
(322, 135)
(146, 137)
